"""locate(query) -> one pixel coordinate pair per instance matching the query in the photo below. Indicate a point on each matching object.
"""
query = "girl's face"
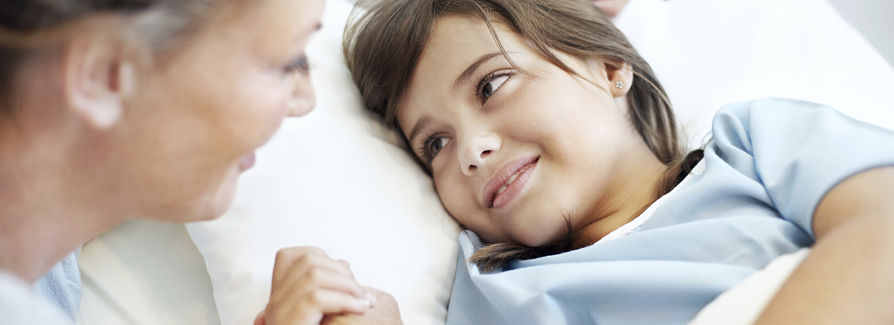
(194, 122)
(514, 154)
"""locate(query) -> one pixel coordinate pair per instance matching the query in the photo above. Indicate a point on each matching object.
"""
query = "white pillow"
(336, 179)
(710, 53)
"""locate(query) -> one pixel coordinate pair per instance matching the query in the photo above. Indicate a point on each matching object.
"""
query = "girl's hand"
(611, 8)
(308, 285)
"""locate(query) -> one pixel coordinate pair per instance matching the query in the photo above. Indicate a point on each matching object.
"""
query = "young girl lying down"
(553, 143)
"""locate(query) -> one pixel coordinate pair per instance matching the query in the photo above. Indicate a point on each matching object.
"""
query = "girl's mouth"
(509, 182)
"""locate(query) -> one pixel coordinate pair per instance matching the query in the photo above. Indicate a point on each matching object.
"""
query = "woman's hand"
(610, 7)
(308, 285)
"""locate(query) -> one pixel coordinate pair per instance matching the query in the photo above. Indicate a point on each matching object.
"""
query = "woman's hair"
(385, 38)
(27, 27)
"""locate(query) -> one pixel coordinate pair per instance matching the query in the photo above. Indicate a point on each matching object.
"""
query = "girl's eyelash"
(298, 65)
(482, 83)
(422, 151)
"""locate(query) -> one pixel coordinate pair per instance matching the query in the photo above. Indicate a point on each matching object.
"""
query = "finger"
(332, 265)
(287, 257)
(317, 279)
(332, 302)
(371, 294)
(311, 308)
(260, 319)
(310, 264)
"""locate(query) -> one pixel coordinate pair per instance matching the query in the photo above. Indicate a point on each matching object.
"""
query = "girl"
(551, 140)
(116, 110)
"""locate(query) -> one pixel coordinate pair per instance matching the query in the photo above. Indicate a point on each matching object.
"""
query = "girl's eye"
(489, 85)
(433, 145)
(299, 65)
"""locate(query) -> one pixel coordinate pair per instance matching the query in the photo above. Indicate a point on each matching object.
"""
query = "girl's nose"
(476, 151)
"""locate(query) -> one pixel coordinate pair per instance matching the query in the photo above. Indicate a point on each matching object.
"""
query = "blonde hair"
(385, 38)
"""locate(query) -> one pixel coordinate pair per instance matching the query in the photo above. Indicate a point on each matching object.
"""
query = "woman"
(551, 140)
(116, 110)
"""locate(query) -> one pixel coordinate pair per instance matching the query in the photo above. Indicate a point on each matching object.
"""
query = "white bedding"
(145, 272)
(339, 180)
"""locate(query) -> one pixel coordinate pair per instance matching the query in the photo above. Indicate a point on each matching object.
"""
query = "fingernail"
(371, 298)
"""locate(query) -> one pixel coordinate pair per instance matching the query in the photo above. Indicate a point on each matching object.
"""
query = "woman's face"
(194, 121)
(514, 154)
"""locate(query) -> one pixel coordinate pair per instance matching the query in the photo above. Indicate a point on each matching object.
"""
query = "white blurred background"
(873, 19)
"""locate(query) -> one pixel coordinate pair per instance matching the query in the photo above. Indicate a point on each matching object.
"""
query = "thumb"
(261, 319)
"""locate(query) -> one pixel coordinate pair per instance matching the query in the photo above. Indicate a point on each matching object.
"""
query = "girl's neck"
(634, 193)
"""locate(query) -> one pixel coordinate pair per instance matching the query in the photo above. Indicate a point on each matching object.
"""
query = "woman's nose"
(303, 98)
(476, 151)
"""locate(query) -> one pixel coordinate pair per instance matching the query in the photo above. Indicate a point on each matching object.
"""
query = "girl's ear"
(620, 77)
(98, 78)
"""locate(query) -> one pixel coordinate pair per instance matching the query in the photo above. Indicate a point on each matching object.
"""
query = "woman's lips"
(508, 182)
(247, 162)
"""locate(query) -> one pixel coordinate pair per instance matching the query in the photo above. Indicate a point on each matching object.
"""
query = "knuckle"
(285, 254)
(315, 275)
(315, 298)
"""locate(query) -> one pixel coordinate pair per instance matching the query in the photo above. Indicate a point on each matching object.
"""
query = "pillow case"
(336, 179)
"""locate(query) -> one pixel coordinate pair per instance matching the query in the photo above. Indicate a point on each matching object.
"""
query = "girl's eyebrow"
(420, 124)
(470, 71)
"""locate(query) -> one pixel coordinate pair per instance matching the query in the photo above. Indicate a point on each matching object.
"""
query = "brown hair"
(27, 27)
(385, 38)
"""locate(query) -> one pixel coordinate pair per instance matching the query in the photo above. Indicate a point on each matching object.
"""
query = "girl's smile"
(508, 182)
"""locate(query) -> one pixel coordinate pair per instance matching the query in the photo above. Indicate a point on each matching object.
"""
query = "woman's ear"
(98, 78)
(620, 77)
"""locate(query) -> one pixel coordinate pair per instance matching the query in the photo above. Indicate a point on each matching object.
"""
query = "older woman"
(116, 110)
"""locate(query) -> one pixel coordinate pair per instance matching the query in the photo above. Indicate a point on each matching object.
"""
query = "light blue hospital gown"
(767, 167)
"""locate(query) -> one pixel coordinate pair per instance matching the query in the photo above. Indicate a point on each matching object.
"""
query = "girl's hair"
(29, 26)
(385, 38)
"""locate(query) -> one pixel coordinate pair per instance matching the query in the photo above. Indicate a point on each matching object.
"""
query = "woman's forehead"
(265, 18)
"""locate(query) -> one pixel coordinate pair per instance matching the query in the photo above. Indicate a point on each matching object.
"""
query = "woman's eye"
(490, 85)
(299, 65)
(433, 145)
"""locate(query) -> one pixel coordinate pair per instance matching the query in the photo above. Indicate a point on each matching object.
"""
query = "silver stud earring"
(619, 84)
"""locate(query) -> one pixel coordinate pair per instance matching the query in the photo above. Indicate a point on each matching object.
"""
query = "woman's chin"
(215, 202)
